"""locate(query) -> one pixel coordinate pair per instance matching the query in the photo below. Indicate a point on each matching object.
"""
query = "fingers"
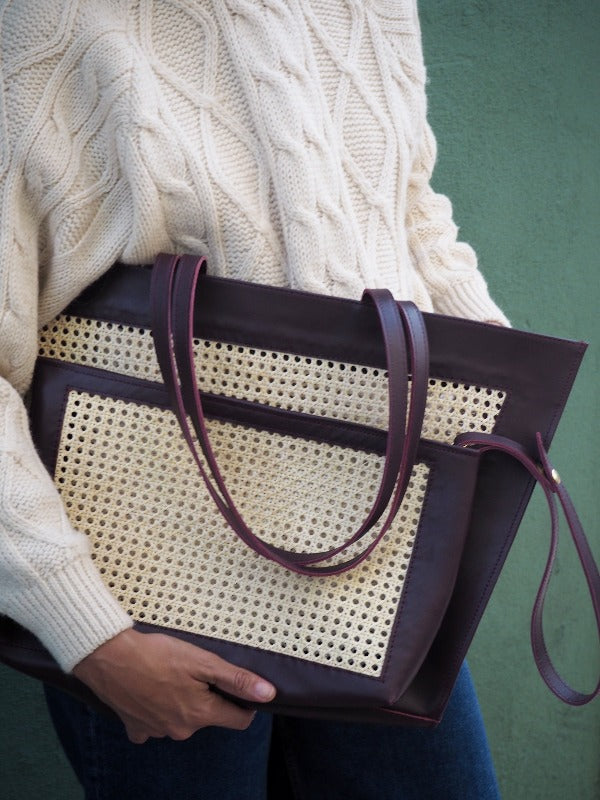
(135, 734)
(225, 714)
(216, 711)
(233, 680)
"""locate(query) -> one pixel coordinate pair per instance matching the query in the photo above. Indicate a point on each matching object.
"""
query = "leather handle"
(175, 282)
(388, 312)
(553, 487)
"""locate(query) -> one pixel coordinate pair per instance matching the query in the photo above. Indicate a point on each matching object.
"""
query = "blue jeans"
(283, 758)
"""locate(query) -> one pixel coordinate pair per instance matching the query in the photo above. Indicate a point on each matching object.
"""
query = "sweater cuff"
(72, 612)
(470, 300)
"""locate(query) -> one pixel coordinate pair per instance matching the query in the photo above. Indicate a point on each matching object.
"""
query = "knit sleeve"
(48, 581)
(448, 267)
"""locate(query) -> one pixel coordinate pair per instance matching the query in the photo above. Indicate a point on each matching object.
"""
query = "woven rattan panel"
(128, 481)
(330, 389)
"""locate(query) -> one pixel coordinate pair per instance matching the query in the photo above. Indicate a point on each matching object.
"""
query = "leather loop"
(545, 476)
(173, 294)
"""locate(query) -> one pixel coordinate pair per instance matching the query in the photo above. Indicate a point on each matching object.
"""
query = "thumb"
(236, 681)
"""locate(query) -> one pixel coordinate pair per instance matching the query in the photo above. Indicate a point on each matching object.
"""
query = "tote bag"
(319, 489)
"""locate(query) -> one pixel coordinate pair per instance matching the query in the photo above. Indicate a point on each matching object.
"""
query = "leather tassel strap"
(553, 487)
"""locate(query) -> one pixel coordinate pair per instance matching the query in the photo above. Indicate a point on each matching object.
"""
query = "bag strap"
(553, 487)
(175, 282)
(389, 313)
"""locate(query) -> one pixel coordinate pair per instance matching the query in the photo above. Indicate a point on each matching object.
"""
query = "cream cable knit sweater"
(286, 140)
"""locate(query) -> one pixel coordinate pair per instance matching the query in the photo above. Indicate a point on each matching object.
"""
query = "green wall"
(515, 103)
(514, 98)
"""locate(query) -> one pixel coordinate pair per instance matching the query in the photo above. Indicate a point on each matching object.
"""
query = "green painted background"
(515, 103)
(514, 94)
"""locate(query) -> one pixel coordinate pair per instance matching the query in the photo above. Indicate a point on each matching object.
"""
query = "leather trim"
(434, 563)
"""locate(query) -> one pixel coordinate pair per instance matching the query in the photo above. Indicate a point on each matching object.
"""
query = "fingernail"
(263, 690)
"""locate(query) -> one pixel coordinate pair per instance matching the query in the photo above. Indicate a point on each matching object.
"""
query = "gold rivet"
(555, 476)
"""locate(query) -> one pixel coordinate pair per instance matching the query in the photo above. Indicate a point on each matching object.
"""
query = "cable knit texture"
(285, 140)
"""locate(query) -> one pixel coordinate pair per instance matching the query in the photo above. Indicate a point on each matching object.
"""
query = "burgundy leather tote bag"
(321, 490)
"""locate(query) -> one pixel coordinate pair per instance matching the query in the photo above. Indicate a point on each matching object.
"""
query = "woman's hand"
(161, 686)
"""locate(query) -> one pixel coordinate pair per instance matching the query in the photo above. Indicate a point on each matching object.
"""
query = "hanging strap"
(553, 487)
(174, 287)
(175, 283)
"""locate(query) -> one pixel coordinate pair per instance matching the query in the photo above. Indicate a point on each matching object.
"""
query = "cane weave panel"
(170, 559)
(310, 385)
